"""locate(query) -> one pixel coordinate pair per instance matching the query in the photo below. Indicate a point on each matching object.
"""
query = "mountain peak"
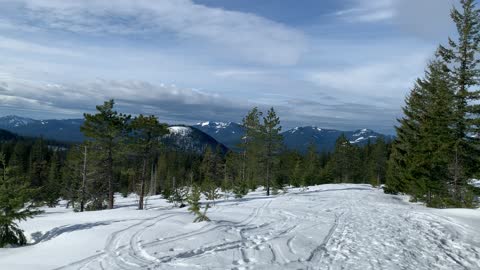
(16, 121)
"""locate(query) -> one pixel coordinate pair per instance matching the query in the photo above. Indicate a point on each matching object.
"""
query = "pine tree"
(18, 162)
(107, 130)
(202, 216)
(178, 194)
(377, 162)
(250, 147)
(426, 136)
(210, 190)
(271, 140)
(310, 172)
(342, 160)
(38, 163)
(463, 59)
(193, 199)
(194, 202)
(145, 133)
(208, 166)
(72, 176)
(15, 205)
(53, 186)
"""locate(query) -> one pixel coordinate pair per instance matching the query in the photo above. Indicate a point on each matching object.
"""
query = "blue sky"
(343, 64)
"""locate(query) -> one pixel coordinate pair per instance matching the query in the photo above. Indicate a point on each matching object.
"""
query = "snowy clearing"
(324, 227)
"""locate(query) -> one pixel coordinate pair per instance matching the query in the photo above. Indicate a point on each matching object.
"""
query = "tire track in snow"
(238, 244)
(112, 244)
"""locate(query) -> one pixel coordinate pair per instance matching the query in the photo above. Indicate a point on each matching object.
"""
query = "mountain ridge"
(298, 138)
(228, 134)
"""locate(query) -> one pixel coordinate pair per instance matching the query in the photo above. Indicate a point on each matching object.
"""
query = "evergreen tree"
(194, 202)
(463, 60)
(15, 205)
(107, 131)
(38, 163)
(145, 133)
(18, 162)
(210, 190)
(193, 199)
(271, 140)
(341, 161)
(377, 162)
(208, 166)
(426, 136)
(310, 172)
(53, 186)
(250, 147)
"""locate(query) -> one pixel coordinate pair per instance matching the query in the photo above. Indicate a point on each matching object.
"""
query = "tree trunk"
(142, 187)
(455, 176)
(153, 180)
(110, 178)
(84, 180)
(268, 178)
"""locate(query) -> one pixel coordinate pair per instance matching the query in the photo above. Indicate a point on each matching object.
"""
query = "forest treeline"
(124, 154)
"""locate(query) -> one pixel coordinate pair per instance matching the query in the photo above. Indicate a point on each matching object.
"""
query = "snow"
(183, 131)
(17, 121)
(475, 182)
(323, 227)
(216, 125)
(362, 132)
(294, 130)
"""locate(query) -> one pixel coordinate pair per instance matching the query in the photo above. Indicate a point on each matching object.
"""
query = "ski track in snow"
(326, 227)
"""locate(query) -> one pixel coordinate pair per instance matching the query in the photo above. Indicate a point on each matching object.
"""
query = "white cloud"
(29, 47)
(253, 37)
(387, 79)
(134, 97)
(426, 19)
(368, 11)
(422, 17)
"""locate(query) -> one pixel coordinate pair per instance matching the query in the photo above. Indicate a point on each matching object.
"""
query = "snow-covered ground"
(324, 227)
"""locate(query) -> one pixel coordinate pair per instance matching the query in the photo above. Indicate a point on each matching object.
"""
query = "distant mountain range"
(61, 130)
(298, 138)
(195, 138)
(180, 138)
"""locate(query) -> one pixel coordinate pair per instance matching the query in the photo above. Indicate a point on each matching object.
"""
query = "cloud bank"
(254, 38)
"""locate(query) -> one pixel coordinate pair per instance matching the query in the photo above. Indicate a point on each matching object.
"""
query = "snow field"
(324, 227)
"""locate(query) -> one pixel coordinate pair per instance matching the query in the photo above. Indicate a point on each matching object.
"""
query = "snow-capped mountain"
(15, 121)
(229, 134)
(67, 130)
(191, 139)
(300, 138)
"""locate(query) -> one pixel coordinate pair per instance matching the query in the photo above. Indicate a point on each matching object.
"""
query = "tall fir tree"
(271, 140)
(53, 186)
(462, 57)
(250, 147)
(422, 153)
(107, 131)
(145, 133)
